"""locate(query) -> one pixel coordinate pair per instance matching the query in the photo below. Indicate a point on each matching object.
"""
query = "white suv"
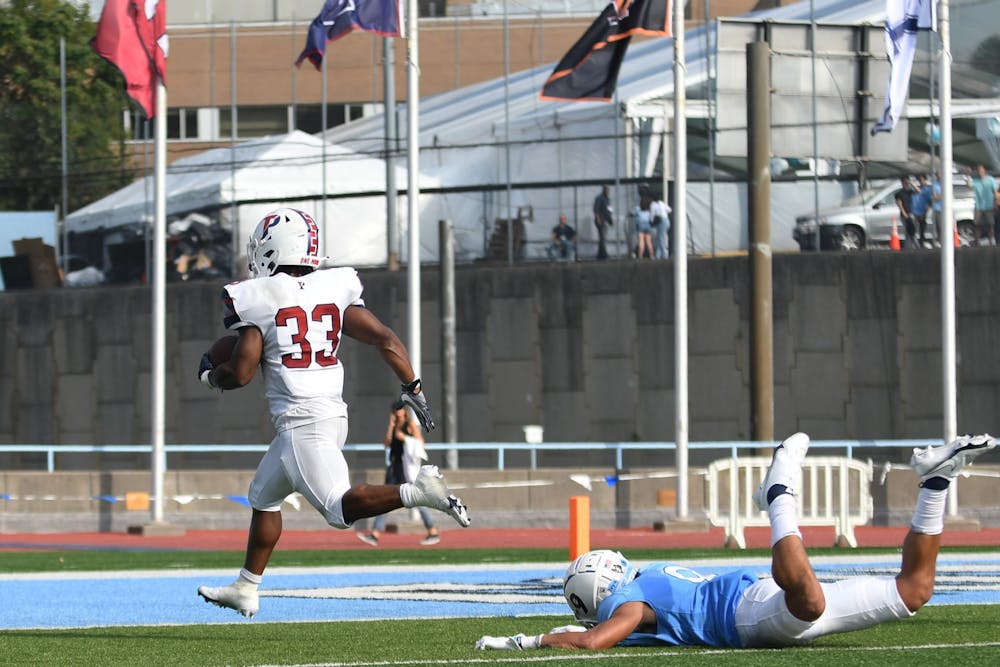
(865, 220)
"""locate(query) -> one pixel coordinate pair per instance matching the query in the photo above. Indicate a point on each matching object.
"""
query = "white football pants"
(307, 459)
(762, 619)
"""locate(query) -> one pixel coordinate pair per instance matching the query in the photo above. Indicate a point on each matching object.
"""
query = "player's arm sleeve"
(231, 317)
(356, 290)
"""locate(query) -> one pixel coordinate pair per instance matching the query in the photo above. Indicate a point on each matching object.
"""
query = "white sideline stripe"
(735, 560)
(645, 655)
(181, 573)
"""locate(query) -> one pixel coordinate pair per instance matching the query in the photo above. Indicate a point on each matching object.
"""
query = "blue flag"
(903, 18)
(339, 17)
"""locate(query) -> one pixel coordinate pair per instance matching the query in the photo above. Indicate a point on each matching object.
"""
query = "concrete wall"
(584, 349)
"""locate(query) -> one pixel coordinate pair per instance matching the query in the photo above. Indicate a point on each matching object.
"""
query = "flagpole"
(65, 160)
(680, 262)
(815, 127)
(389, 118)
(159, 298)
(322, 134)
(617, 138)
(710, 99)
(233, 209)
(506, 126)
(412, 183)
(948, 353)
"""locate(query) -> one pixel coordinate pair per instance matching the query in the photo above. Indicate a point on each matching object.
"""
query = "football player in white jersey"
(290, 317)
(668, 604)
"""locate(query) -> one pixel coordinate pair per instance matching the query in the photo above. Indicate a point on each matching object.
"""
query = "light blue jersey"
(692, 608)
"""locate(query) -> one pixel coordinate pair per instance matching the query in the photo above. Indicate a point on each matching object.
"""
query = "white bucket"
(534, 434)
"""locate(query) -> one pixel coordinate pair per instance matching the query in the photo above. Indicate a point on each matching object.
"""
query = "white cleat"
(431, 491)
(948, 460)
(785, 468)
(243, 601)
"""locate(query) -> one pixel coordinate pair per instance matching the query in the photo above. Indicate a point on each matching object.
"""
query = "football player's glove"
(518, 642)
(205, 370)
(413, 398)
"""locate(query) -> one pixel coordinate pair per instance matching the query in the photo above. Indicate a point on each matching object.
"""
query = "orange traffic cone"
(894, 239)
(958, 242)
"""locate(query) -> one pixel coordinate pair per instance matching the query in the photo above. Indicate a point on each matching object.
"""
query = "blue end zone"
(336, 594)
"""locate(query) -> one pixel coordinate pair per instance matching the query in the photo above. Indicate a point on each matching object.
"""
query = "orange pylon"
(958, 242)
(894, 239)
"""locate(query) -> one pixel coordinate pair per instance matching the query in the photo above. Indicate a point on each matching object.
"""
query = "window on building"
(182, 123)
(254, 121)
(309, 117)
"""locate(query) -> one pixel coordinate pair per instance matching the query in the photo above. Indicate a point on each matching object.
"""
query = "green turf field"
(961, 635)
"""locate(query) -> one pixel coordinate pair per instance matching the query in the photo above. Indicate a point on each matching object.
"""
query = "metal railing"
(733, 449)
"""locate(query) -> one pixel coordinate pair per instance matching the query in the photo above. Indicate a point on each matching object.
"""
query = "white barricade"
(835, 491)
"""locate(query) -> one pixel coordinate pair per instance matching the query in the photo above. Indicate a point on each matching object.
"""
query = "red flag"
(132, 36)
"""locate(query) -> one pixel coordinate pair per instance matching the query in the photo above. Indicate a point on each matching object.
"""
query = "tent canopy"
(260, 175)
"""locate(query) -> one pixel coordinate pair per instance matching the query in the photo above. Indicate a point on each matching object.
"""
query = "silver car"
(866, 219)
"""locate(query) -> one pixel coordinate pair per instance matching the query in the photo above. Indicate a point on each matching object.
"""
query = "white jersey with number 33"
(300, 318)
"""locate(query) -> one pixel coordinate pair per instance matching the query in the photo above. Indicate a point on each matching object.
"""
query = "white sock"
(406, 493)
(248, 579)
(928, 515)
(784, 522)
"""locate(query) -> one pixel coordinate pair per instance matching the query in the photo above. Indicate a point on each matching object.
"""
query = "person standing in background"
(984, 189)
(603, 219)
(922, 199)
(406, 449)
(904, 201)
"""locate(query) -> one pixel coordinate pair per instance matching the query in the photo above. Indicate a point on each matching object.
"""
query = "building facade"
(231, 73)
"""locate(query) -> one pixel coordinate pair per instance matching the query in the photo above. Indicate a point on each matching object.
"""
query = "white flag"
(903, 18)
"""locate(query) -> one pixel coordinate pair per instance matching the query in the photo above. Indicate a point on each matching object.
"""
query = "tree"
(30, 109)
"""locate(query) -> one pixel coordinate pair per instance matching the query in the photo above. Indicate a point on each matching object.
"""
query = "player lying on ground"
(291, 316)
(667, 604)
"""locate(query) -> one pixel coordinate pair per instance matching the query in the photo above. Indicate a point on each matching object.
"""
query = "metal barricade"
(835, 491)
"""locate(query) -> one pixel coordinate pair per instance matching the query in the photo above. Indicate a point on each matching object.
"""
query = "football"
(222, 349)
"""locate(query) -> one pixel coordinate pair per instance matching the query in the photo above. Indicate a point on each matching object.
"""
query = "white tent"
(260, 175)
(463, 136)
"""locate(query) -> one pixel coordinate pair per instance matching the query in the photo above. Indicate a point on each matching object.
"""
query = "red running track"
(202, 540)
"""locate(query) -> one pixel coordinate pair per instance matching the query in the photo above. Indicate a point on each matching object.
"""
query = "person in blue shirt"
(936, 198)
(922, 201)
(984, 189)
(617, 604)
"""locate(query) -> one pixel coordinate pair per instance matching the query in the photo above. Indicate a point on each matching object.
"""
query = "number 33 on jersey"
(300, 319)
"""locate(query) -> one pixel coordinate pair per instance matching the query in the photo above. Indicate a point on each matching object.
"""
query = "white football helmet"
(285, 237)
(592, 577)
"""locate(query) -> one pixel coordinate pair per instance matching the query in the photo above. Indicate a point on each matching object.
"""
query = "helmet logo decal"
(269, 222)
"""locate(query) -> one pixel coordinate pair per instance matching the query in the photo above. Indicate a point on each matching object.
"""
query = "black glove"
(204, 370)
(416, 402)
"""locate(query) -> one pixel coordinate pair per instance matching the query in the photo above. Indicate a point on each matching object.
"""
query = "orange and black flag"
(589, 70)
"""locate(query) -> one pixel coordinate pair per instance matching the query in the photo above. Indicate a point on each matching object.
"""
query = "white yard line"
(728, 561)
(544, 656)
